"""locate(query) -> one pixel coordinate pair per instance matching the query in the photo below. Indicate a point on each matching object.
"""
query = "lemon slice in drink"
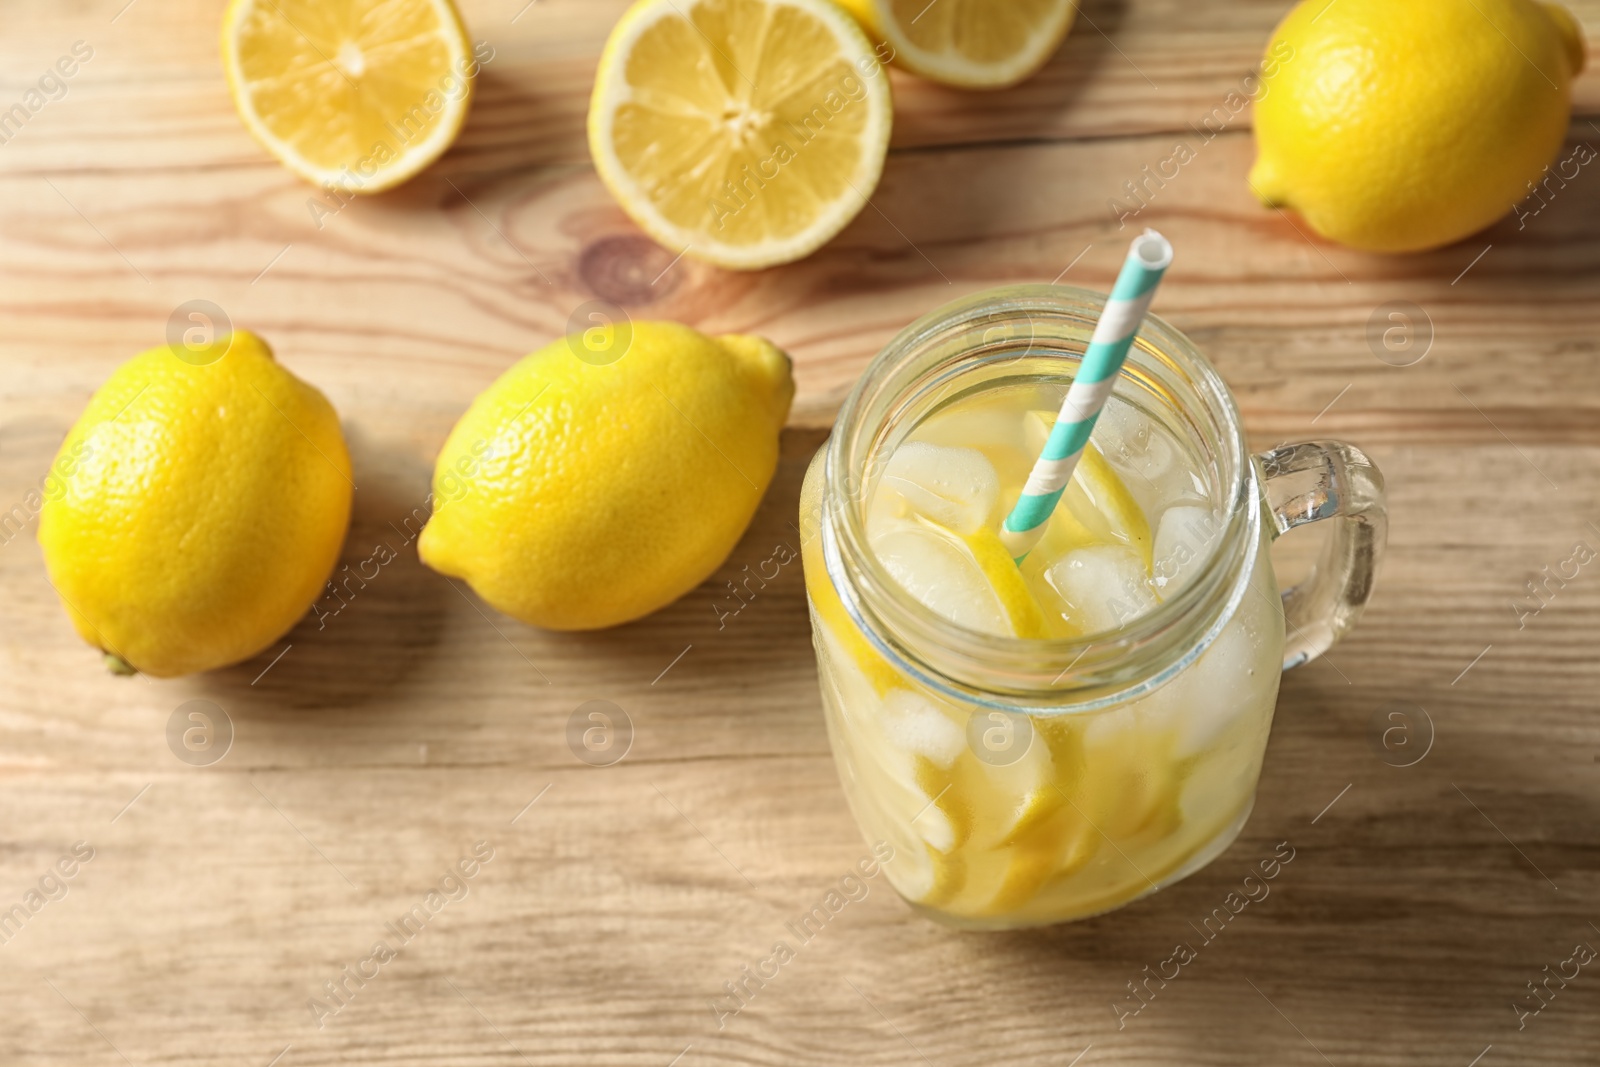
(743, 132)
(1022, 610)
(1108, 493)
(1055, 849)
(358, 95)
(832, 614)
(926, 876)
(976, 44)
(1105, 489)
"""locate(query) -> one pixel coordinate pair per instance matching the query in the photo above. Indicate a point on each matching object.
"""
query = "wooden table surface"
(372, 755)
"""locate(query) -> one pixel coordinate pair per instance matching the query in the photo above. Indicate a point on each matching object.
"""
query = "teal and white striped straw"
(1148, 258)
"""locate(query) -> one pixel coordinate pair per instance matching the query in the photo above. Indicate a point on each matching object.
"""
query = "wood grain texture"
(383, 745)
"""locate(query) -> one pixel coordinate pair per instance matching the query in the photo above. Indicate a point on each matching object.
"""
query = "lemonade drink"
(1001, 818)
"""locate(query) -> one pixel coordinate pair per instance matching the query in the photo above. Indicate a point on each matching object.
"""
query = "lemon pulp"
(356, 94)
(743, 132)
(976, 44)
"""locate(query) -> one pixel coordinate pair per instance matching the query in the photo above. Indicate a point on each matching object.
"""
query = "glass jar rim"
(986, 669)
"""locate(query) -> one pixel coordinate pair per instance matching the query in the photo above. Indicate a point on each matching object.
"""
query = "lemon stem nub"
(1571, 35)
(119, 666)
(1263, 181)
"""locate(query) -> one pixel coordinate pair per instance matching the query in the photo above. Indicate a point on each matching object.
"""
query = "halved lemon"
(743, 132)
(975, 44)
(354, 95)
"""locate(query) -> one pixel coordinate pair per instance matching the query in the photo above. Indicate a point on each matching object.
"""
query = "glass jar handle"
(1308, 482)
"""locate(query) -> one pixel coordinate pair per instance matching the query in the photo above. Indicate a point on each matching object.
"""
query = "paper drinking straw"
(1148, 258)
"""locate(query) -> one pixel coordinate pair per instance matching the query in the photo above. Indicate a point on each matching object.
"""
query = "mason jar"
(1092, 769)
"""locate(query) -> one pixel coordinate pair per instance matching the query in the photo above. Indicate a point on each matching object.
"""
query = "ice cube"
(1147, 457)
(916, 725)
(1215, 791)
(911, 871)
(1229, 681)
(1018, 788)
(1127, 779)
(893, 779)
(1110, 730)
(954, 487)
(941, 573)
(1125, 430)
(1184, 537)
(887, 510)
(901, 776)
(845, 682)
(1104, 585)
(933, 825)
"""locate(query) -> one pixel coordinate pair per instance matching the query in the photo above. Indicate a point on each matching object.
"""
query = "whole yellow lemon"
(196, 508)
(609, 473)
(1400, 125)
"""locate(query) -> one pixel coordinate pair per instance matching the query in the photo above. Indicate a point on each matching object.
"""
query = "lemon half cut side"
(746, 133)
(974, 44)
(356, 95)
